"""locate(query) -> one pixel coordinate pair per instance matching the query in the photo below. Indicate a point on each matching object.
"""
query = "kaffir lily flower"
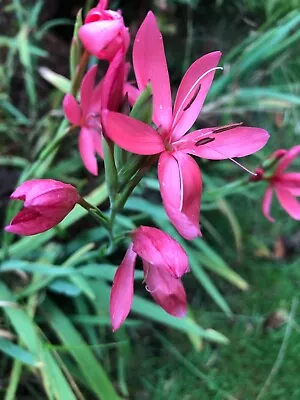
(107, 94)
(179, 176)
(104, 33)
(46, 203)
(164, 262)
(285, 184)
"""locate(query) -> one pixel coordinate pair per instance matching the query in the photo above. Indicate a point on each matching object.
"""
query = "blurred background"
(241, 339)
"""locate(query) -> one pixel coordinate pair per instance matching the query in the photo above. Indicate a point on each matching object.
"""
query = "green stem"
(79, 73)
(121, 200)
(95, 213)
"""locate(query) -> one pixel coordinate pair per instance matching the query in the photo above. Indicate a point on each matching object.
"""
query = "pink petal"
(288, 202)
(184, 118)
(132, 135)
(166, 290)
(266, 204)
(287, 159)
(96, 36)
(181, 186)
(290, 182)
(55, 203)
(86, 89)
(35, 187)
(278, 154)
(71, 109)
(160, 249)
(97, 138)
(87, 150)
(120, 42)
(122, 290)
(150, 65)
(102, 5)
(22, 190)
(113, 81)
(95, 105)
(238, 142)
(96, 13)
(29, 222)
(132, 93)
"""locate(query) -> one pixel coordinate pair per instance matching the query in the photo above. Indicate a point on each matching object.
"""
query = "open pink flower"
(285, 184)
(46, 203)
(178, 174)
(107, 94)
(164, 262)
(104, 33)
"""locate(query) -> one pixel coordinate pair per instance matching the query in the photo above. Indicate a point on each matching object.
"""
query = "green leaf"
(95, 320)
(76, 46)
(89, 366)
(111, 174)
(18, 353)
(54, 380)
(58, 81)
(64, 287)
(207, 283)
(142, 109)
(83, 285)
(214, 262)
(149, 310)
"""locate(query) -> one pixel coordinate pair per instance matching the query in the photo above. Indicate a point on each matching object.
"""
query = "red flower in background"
(286, 185)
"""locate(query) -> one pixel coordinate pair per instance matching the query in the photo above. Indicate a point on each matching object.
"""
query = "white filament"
(190, 91)
(233, 160)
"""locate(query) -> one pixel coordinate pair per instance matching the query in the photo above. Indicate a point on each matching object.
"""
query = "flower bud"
(46, 203)
(104, 33)
(160, 249)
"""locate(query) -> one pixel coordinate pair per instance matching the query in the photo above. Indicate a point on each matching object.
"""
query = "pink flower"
(178, 174)
(46, 203)
(107, 94)
(164, 262)
(104, 33)
(285, 184)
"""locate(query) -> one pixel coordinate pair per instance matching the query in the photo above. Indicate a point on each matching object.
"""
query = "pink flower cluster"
(179, 175)
(97, 114)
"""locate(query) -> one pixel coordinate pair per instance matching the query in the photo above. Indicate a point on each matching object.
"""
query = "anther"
(204, 141)
(226, 127)
(193, 98)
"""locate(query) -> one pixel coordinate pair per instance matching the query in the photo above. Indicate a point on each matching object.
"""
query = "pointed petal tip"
(17, 230)
(71, 109)
(266, 204)
(116, 325)
(14, 197)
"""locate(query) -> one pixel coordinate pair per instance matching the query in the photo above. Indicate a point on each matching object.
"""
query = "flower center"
(92, 121)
